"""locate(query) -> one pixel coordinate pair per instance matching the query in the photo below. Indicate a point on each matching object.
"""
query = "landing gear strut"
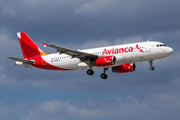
(90, 71)
(104, 75)
(151, 67)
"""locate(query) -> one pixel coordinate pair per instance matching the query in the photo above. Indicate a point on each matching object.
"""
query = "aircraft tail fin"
(28, 47)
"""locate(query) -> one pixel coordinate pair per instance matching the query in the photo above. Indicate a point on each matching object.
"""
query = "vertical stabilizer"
(28, 47)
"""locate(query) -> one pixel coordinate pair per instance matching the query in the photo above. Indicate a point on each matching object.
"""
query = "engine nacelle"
(124, 68)
(105, 61)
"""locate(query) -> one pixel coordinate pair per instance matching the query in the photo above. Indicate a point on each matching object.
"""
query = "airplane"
(121, 58)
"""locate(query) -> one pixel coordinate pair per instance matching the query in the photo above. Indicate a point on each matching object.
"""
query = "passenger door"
(148, 46)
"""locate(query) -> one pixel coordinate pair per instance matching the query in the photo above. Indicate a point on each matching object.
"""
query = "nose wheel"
(151, 67)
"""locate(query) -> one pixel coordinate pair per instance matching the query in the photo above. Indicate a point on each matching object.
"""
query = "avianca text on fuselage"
(110, 57)
(120, 50)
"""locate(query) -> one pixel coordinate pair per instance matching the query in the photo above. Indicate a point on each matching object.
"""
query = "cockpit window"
(160, 45)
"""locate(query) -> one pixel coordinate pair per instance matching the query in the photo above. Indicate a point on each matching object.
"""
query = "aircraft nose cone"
(170, 51)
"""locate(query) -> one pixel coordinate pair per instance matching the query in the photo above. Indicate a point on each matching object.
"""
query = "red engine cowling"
(128, 67)
(105, 61)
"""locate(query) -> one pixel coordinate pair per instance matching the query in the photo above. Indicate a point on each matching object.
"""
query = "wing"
(21, 60)
(83, 56)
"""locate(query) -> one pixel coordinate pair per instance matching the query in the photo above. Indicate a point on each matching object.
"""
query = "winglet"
(45, 44)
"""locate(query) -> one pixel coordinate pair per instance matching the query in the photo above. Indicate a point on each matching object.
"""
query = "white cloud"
(151, 106)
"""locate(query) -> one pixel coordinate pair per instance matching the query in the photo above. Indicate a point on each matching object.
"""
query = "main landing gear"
(90, 72)
(103, 75)
(151, 67)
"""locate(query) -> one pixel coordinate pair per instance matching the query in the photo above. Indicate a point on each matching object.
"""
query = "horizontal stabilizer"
(21, 60)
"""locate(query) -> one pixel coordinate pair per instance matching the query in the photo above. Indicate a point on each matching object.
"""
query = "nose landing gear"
(151, 67)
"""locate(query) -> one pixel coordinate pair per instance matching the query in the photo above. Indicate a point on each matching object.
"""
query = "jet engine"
(105, 61)
(124, 68)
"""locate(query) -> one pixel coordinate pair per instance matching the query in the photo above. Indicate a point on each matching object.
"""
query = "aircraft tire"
(104, 76)
(151, 68)
(90, 72)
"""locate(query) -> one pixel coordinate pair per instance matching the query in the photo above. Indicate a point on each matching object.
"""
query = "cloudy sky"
(34, 94)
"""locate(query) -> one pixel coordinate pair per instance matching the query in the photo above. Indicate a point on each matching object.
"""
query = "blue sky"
(27, 94)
